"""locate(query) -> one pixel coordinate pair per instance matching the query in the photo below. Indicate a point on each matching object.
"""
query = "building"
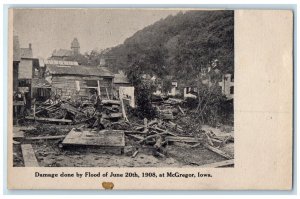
(16, 61)
(26, 68)
(227, 85)
(66, 54)
(121, 80)
(78, 80)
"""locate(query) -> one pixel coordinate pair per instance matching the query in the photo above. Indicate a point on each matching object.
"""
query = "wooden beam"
(182, 139)
(180, 109)
(219, 164)
(48, 119)
(218, 151)
(29, 156)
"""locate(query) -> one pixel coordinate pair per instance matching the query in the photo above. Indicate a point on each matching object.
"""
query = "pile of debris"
(158, 134)
(75, 112)
(168, 108)
(117, 135)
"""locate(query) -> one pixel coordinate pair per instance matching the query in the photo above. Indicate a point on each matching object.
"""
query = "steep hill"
(180, 45)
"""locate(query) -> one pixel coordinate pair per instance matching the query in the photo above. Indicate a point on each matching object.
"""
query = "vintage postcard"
(150, 99)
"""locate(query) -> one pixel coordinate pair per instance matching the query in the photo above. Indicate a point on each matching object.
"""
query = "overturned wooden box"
(105, 141)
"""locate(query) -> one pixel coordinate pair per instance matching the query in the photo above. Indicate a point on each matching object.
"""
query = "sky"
(49, 29)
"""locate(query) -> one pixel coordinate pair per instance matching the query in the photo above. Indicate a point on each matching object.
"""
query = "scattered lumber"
(48, 119)
(225, 163)
(29, 156)
(218, 151)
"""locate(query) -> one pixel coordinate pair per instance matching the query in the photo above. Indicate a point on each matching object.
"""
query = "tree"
(166, 85)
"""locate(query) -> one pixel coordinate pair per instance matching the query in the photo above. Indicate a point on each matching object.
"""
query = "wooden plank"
(46, 137)
(180, 109)
(218, 151)
(48, 119)
(112, 102)
(108, 138)
(29, 156)
(112, 115)
(219, 164)
(182, 139)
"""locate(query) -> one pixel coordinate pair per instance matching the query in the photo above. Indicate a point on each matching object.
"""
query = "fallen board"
(218, 151)
(108, 140)
(225, 163)
(29, 156)
(112, 115)
(46, 137)
(48, 119)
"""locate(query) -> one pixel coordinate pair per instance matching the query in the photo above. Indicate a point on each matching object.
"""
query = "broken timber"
(29, 156)
(218, 151)
(182, 139)
(48, 119)
(225, 163)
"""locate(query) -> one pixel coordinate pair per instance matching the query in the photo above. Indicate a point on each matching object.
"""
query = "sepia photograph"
(123, 88)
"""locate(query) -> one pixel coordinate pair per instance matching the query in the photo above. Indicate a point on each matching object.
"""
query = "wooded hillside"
(180, 45)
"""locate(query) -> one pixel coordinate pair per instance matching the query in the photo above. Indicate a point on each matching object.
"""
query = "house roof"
(44, 62)
(62, 53)
(26, 53)
(121, 79)
(79, 70)
(16, 49)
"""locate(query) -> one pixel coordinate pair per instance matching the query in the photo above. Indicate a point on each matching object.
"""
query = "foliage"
(180, 45)
(143, 90)
(166, 85)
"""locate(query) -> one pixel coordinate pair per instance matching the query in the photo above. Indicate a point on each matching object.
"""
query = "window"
(92, 87)
(231, 90)
(92, 83)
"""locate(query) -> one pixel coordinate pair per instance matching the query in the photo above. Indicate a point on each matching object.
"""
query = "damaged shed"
(71, 80)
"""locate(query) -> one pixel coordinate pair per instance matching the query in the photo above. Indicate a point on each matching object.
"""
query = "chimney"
(30, 46)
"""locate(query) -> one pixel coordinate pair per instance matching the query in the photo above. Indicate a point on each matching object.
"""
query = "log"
(218, 151)
(46, 137)
(219, 164)
(48, 119)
